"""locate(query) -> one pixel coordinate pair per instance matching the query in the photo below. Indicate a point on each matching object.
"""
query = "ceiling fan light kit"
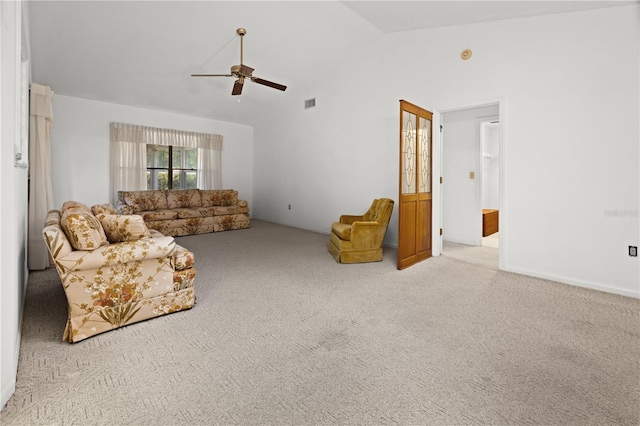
(242, 72)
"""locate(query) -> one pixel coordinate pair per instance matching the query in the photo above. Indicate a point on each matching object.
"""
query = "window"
(149, 157)
(176, 161)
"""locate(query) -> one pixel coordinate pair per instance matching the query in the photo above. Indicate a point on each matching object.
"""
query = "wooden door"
(414, 208)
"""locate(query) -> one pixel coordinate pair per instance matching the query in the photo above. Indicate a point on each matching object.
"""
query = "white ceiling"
(141, 53)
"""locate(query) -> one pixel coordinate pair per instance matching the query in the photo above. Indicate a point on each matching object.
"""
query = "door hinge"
(440, 179)
(441, 127)
(440, 231)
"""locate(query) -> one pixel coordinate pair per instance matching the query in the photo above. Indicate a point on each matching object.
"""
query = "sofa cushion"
(121, 228)
(221, 210)
(206, 211)
(188, 213)
(159, 215)
(180, 227)
(82, 228)
(144, 200)
(342, 230)
(180, 198)
(219, 197)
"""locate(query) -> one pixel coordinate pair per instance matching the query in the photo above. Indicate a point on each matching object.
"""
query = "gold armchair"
(357, 239)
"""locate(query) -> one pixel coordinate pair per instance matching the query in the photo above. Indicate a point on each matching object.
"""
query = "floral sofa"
(114, 270)
(178, 212)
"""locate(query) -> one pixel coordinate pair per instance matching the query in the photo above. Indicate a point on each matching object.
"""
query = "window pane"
(163, 179)
(192, 158)
(176, 179)
(177, 157)
(191, 181)
(157, 156)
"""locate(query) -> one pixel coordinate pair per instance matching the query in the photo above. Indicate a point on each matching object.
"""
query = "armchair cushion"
(342, 229)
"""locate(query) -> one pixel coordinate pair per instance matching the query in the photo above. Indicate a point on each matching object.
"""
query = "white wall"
(13, 199)
(80, 147)
(569, 86)
(461, 155)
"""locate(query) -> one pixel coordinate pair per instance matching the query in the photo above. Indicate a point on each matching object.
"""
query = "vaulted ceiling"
(142, 53)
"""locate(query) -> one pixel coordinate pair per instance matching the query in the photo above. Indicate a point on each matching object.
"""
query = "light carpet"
(283, 335)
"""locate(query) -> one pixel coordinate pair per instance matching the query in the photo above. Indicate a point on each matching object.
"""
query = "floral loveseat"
(180, 212)
(114, 270)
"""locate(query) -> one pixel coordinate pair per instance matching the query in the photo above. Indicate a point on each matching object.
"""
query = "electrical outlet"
(633, 251)
(472, 175)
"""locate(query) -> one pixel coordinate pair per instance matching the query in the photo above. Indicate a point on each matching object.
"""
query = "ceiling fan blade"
(269, 83)
(211, 75)
(237, 88)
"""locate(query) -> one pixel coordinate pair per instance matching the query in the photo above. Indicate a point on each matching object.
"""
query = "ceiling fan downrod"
(241, 32)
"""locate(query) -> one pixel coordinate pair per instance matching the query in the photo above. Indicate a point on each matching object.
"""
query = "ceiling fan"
(242, 72)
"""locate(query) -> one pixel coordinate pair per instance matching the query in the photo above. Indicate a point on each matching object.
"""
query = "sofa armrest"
(114, 254)
(349, 219)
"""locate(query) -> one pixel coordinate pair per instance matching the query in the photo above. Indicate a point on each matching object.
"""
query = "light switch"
(472, 175)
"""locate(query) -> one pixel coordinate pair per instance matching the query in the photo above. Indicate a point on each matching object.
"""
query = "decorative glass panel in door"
(408, 163)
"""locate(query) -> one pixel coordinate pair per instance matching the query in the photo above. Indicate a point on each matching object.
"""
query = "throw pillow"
(82, 228)
(100, 210)
(122, 228)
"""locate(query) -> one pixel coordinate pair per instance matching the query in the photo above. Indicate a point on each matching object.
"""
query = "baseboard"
(7, 392)
(459, 241)
(10, 388)
(574, 282)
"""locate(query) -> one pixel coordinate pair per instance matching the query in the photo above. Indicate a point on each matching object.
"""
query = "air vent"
(310, 103)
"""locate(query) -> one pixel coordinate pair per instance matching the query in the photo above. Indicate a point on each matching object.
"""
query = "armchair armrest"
(365, 235)
(349, 219)
(114, 254)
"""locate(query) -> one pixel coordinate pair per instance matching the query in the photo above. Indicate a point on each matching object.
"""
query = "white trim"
(436, 186)
(502, 246)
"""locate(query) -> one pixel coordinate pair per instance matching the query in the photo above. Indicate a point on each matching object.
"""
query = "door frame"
(438, 158)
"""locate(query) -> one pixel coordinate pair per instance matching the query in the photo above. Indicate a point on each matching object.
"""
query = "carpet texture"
(283, 335)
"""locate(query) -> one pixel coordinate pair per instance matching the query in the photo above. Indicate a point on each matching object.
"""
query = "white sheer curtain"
(129, 158)
(40, 192)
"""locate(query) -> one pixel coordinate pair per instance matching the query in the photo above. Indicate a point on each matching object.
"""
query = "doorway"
(490, 181)
(472, 176)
